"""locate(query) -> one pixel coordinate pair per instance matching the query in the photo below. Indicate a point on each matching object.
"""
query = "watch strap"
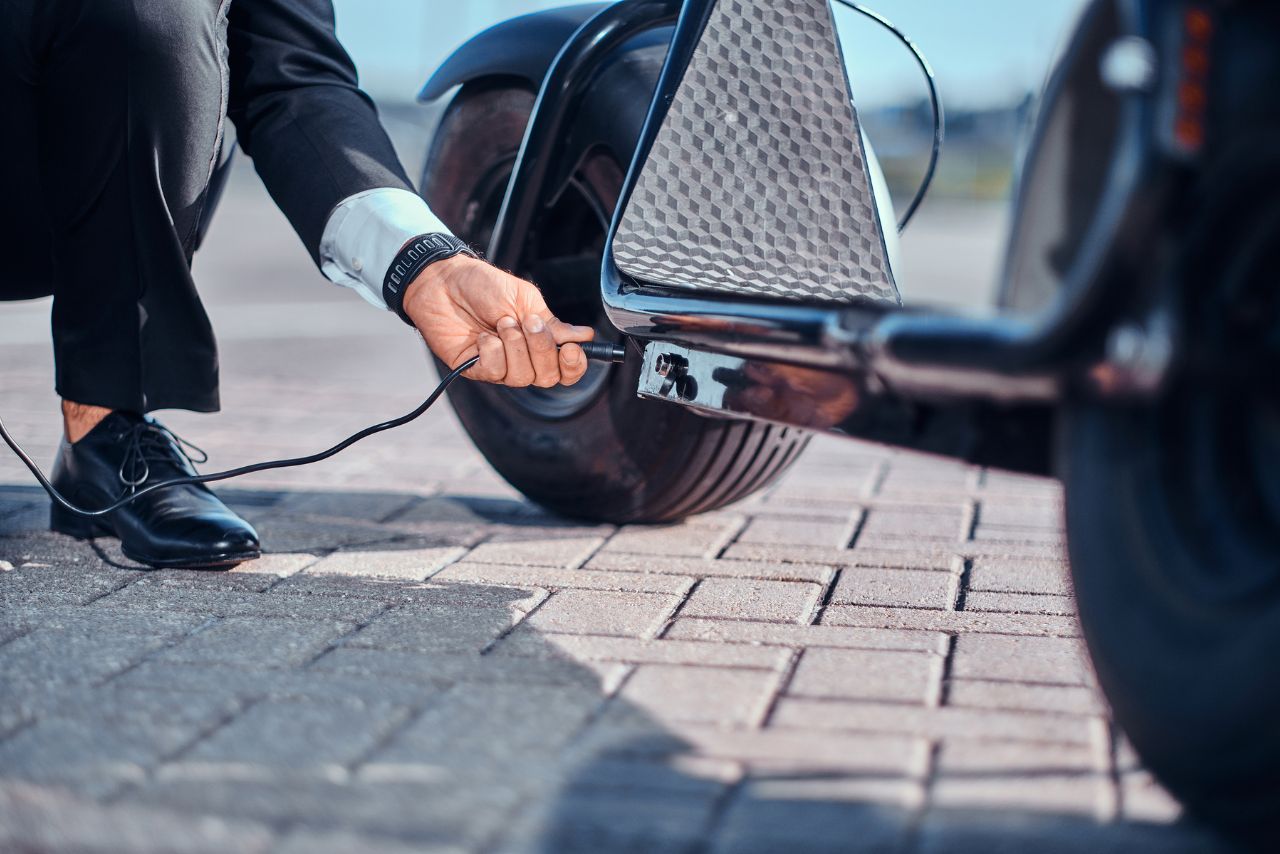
(417, 255)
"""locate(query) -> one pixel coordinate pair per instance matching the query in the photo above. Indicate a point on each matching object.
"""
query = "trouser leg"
(129, 103)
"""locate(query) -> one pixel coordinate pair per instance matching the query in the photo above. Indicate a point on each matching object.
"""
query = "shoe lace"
(149, 442)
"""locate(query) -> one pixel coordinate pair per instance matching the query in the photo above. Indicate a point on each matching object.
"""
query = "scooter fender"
(522, 47)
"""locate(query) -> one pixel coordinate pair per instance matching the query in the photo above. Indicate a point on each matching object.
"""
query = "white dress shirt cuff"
(366, 232)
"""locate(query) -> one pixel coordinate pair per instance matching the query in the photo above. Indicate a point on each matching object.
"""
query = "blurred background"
(990, 56)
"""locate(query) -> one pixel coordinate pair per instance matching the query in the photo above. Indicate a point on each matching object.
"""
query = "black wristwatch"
(417, 255)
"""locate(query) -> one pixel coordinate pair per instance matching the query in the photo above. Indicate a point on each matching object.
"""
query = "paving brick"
(333, 841)
(93, 622)
(703, 568)
(413, 564)
(604, 613)
(73, 655)
(678, 774)
(997, 830)
(96, 740)
(534, 644)
(1005, 534)
(828, 815)
(950, 621)
(749, 599)
(772, 506)
(442, 813)
(34, 585)
(702, 537)
(930, 481)
(1068, 699)
(531, 548)
(252, 576)
(445, 628)
(1084, 794)
(701, 695)
(623, 731)
(278, 738)
(799, 554)
(555, 578)
(1056, 661)
(245, 682)
(585, 822)
(935, 523)
(941, 722)
(976, 759)
(363, 506)
(55, 553)
(487, 669)
(1049, 579)
(894, 587)
(1043, 514)
(366, 592)
(92, 761)
(264, 642)
(36, 818)
(142, 596)
(867, 675)
(906, 554)
(1020, 603)
(314, 534)
(474, 725)
(795, 531)
(689, 628)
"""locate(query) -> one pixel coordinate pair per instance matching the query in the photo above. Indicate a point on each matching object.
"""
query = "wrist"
(437, 277)
(413, 260)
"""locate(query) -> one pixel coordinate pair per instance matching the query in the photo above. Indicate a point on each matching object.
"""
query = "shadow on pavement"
(327, 699)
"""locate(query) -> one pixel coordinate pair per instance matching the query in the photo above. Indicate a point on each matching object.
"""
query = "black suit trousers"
(116, 116)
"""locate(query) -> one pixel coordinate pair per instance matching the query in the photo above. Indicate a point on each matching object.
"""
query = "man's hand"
(464, 307)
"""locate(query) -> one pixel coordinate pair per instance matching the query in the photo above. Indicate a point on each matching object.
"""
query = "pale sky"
(984, 51)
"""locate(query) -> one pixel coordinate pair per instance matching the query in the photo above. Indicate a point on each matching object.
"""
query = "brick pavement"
(879, 654)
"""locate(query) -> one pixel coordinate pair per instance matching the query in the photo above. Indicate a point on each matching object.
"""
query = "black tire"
(595, 451)
(1176, 567)
(1173, 520)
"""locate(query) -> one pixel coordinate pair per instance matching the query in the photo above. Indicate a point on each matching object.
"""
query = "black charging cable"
(595, 351)
(939, 118)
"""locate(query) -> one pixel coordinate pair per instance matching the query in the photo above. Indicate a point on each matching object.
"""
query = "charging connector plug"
(605, 351)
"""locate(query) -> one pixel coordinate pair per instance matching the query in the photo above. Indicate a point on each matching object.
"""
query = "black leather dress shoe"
(183, 526)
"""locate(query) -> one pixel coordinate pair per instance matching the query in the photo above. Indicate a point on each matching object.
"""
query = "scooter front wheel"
(1173, 516)
(593, 450)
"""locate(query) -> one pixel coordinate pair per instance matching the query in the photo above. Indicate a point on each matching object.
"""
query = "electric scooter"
(689, 177)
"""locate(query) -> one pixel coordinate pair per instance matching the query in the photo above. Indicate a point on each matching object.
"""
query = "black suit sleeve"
(314, 136)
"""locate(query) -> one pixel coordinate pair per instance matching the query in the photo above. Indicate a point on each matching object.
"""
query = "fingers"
(573, 364)
(566, 332)
(492, 367)
(542, 352)
(520, 371)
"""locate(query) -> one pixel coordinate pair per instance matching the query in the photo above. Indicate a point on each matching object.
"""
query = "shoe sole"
(62, 522)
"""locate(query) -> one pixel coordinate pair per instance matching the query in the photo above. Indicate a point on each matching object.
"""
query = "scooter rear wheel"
(594, 450)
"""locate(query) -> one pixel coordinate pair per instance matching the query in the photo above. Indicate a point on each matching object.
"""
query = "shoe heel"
(62, 521)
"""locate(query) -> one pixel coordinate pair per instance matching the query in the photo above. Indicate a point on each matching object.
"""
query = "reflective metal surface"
(850, 403)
